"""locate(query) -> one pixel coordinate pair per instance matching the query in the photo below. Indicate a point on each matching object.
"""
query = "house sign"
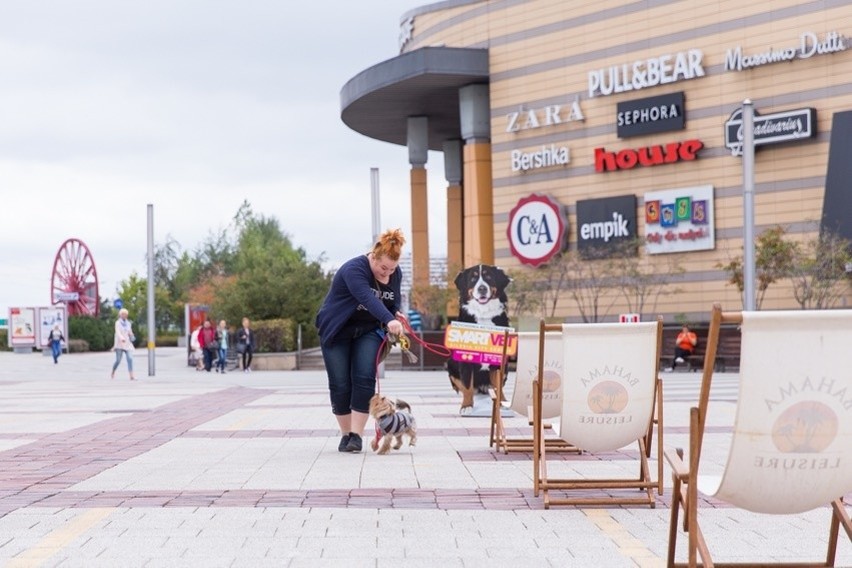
(773, 128)
(809, 45)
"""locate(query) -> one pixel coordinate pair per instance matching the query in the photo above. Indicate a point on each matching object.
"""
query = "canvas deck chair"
(611, 398)
(791, 447)
(521, 403)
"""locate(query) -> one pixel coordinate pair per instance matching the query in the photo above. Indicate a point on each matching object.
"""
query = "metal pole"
(376, 215)
(151, 321)
(748, 207)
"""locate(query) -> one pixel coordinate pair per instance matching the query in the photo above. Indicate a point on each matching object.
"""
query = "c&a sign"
(679, 220)
(538, 229)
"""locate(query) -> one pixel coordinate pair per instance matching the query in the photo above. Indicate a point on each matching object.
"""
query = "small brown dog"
(392, 421)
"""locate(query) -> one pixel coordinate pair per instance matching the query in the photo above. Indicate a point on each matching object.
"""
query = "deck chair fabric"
(526, 370)
(791, 447)
(611, 398)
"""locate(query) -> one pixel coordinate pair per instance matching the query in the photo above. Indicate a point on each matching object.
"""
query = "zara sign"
(537, 231)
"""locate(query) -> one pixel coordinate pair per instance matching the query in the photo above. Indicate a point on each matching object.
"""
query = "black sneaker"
(344, 442)
(354, 444)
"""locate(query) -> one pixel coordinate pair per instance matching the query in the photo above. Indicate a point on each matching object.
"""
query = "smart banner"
(479, 344)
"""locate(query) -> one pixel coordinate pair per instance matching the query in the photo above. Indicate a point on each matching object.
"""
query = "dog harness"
(396, 423)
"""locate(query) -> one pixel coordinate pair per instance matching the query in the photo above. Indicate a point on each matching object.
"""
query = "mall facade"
(583, 125)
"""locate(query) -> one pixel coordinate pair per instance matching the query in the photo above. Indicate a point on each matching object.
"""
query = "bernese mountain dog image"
(482, 300)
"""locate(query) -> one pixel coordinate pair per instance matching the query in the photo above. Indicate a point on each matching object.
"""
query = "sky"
(192, 106)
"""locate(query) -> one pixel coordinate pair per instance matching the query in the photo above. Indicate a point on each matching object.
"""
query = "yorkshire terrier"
(392, 421)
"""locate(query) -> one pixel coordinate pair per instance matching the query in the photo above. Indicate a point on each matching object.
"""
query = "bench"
(727, 353)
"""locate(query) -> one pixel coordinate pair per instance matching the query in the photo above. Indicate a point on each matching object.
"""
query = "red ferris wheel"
(74, 281)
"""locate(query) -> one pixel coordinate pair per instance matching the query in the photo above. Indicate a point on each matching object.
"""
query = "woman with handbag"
(246, 344)
(123, 343)
(209, 343)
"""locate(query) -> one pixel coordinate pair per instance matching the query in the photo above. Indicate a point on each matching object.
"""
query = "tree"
(818, 271)
(773, 258)
(641, 280)
(590, 285)
(526, 296)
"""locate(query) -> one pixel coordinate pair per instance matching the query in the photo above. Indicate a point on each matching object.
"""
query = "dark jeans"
(247, 355)
(350, 361)
(680, 352)
(223, 357)
(208, 359)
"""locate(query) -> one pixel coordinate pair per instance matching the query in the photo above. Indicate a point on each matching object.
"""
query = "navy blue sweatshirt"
(352, 288)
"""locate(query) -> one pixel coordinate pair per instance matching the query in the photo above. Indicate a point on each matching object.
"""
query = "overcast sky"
(192, 106)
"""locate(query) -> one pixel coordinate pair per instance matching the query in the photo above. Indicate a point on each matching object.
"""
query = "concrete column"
(418, 149)
(478, 207)
(453, 169)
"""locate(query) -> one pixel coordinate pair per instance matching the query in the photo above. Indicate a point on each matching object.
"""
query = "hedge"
(275, 335)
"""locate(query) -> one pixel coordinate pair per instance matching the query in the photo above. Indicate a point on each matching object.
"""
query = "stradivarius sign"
(787, 126)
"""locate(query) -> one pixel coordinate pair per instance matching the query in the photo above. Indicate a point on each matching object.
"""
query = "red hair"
(389, 245)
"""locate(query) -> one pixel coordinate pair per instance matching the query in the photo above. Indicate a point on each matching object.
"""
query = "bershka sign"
(537, 229)
(544, 157)
(646, 73)
(527, 119)
(809, 45)
(679, 220)
(604, 224)
(787, 126)
(651, 115)
(647, 156)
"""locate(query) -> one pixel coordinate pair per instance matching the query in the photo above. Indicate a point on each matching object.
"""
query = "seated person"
(684, 345)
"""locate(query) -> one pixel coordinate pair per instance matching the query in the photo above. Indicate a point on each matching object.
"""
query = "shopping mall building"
(577, 126)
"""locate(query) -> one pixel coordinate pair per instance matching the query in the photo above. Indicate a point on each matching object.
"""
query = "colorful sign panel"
(679, 220)
(22, 327)
(479, 344)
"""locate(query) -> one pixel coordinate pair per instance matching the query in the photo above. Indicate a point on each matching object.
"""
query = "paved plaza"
(190, 468)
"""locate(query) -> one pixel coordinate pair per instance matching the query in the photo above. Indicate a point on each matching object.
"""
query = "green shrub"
(4, 340)
(163, 340)
(97, 333)
(275, 336)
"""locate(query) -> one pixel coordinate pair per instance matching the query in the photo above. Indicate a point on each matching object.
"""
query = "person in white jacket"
(123, 343)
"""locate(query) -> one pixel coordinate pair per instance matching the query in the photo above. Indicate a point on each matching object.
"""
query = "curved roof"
(425, 82)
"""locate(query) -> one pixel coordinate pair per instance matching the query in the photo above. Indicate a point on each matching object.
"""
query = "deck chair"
(611, 398)
(791, 447)
(521, 403)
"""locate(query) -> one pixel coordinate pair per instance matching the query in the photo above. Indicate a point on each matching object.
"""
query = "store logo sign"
(679, 220)
(646, 73)
(544, 157)
(647, 156)
(550, 115)
(809, 45)
(537, 229)
(604, 224)
(651, 115)
(773, 128)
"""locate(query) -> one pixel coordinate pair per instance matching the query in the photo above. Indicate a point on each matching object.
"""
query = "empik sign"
(604, 224)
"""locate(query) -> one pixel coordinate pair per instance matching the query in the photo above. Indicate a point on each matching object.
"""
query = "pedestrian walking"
(246, 344)
(55, 339)
(123, 343)
(207, 339)
(363, 301)
(222, 336)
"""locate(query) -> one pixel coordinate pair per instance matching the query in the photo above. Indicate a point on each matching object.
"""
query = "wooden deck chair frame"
(643, 482)
(685, 476)
(525, 444)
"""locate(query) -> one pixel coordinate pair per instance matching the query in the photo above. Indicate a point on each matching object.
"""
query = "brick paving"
(242, 470)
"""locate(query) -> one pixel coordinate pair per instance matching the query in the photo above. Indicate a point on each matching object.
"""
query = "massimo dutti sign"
(604, 224)
(650, 115)
(787, 126)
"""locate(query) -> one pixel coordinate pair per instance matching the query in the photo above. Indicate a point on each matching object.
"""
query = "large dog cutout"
(482, 300)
